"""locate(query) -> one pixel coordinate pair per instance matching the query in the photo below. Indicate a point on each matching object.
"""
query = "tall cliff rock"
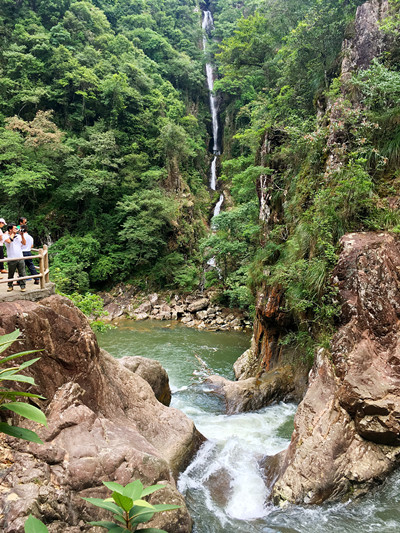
(104, 423)
(346, 434)
(347, 427)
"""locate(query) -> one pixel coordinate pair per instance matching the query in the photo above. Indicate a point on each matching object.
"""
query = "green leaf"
(133, 490)
(109, 506)
(140, 511)
(33, 525)
(143, 503)
(142, 518)
(114, 487)
(150, 490)
(123, 501)
(28, 363)
(20, 433)
(16, 355)
(4, 393)
(165, 507)
(17, 377)
(152, 530)
(103, 523)
(8, 339)
(27, 411)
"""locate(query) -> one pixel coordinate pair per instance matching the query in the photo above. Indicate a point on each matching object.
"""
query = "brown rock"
(152, 372)
(350, 413)
(145, 307)
(198, 305)
(253, 393)
(104, 423)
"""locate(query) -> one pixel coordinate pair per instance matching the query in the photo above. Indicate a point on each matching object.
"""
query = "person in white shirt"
(2, 224)
(26, 251)
(13, 241)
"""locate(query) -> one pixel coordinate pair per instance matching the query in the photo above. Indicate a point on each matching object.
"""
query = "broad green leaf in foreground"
(20, 433)
(27, 411)
(33, 525)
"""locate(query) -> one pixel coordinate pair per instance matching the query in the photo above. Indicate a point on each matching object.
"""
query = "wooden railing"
(43, 256)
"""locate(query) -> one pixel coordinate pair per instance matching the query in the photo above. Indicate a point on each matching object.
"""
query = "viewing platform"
(33, 291)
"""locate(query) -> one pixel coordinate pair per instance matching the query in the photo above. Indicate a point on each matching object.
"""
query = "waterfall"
(207, 26)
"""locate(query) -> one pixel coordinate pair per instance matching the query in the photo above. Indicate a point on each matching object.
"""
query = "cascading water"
(208, 25)
(224, 486)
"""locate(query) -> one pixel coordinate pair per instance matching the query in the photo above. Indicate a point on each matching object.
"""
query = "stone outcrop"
(194, 310)
(152, 372)
(346, 434)
(104, 424)
(266, 371)
(254, 393)
(368, 41)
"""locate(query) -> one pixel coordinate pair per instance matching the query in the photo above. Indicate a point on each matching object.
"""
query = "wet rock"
(350, 413)
(243, 364)
(152, 372)
(253, 393)
(198, 305)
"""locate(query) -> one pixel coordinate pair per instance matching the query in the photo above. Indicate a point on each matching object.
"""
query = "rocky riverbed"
(196, 310)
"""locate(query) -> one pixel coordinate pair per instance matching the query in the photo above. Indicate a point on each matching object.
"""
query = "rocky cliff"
(104, 423)
(347, 428)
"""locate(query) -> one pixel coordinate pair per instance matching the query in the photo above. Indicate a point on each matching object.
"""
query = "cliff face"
(104, 424)
(267, 355)
(347, 427)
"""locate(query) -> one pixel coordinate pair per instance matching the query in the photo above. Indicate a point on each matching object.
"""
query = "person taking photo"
(14, 240)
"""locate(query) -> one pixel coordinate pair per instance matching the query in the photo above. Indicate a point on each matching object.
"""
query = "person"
(27, 252)
(2, 224)
(13, 241)
(22, 221)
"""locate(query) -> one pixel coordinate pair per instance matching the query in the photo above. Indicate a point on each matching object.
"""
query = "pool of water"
(224, 486)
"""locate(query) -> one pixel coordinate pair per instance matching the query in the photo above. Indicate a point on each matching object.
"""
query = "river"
(223, 486)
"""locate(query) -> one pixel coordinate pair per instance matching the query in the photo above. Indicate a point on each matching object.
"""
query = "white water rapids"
(226, 475)
(224, 485)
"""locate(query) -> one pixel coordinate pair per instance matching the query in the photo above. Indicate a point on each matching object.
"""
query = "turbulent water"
(223, 486)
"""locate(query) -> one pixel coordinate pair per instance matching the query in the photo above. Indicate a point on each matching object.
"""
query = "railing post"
(46, 263)
(41, 268)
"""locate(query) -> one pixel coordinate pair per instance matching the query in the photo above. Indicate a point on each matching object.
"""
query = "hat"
(2, 220)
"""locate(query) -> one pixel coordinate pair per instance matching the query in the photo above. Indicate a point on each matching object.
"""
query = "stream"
(223, 486)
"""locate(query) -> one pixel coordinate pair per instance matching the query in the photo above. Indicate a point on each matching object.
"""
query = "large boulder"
(346, 434)
(254, 393)
(151, 371)
(104, 424)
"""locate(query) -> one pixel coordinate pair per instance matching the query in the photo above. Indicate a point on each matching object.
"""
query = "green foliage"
(9, 397)
(124, 82)
(33, 525)
(128, 507)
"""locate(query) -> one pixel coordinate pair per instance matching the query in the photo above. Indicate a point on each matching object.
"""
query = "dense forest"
(105, 135)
